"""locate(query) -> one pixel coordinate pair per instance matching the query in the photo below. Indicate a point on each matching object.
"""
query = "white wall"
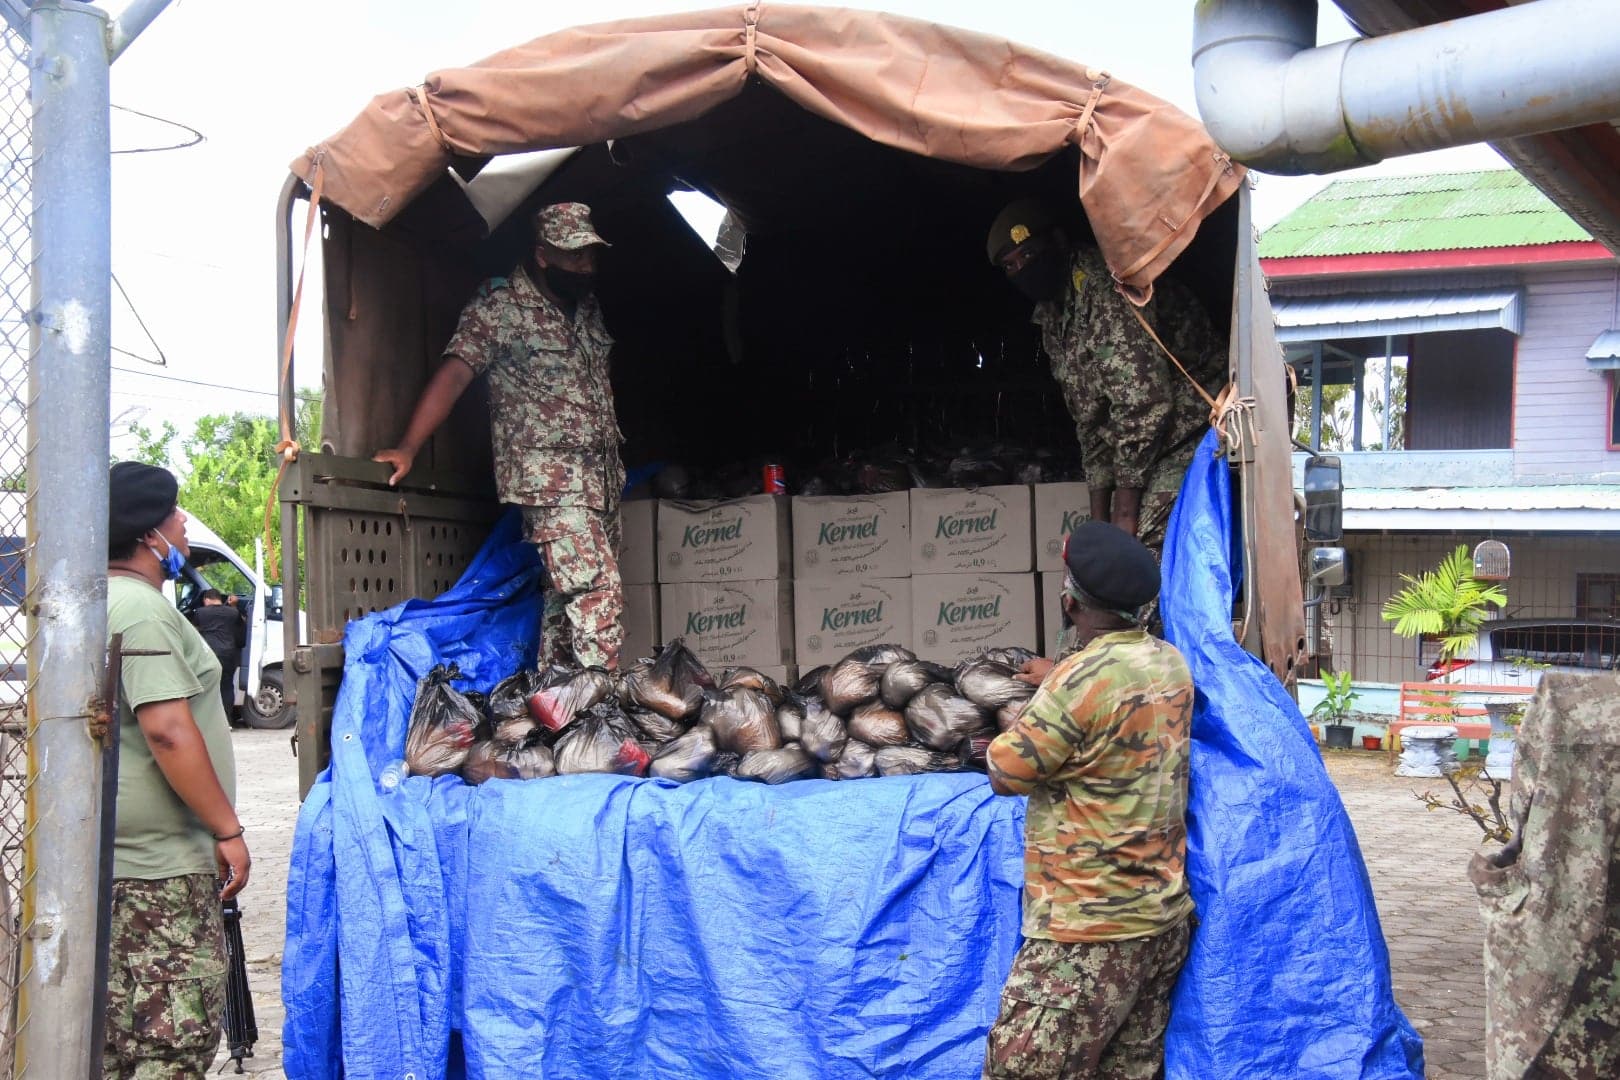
(1560, 411)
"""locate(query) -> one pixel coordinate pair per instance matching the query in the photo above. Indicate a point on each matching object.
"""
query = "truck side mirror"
(1328, 567)
(272, 603)
(1324, 500)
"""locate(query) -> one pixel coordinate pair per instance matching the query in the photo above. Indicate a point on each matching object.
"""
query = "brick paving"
(1418, 862)
(1416, 858)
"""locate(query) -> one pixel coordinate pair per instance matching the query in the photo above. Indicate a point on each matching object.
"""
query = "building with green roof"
(1489, 321)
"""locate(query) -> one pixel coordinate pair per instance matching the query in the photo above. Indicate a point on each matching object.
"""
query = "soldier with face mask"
(537, 334)
(178, 848)
(1137, 417)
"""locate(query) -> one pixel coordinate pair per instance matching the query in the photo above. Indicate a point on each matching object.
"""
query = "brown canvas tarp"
(1149, 173)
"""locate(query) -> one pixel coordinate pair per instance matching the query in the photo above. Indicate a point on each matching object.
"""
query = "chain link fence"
(16, 255)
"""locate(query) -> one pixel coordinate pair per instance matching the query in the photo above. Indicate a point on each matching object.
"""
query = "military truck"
(847, 302)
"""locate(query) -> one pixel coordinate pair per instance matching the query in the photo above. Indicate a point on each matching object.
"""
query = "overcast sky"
(193, 229)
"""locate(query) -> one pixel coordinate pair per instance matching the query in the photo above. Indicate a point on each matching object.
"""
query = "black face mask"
(1044, 276)
(569, 285)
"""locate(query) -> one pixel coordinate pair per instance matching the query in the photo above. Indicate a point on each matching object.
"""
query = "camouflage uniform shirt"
(1129, 403)
(1102, 751)
(552, 425)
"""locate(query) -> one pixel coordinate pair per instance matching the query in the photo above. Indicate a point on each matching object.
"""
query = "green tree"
(227, 468)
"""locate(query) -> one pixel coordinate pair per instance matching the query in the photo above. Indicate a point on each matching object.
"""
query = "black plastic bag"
(858, 760)
(748, 678)
(911, 760)
(992, 685)
(878, 725)
(904, 679)
(940, 719)
(686, 758)
(530, 760)
(809, 684)
(822, 733)
(508, 707)
(790, 717)
(743, 720)
(673, 685)
(777, 766)
(655, 727)
(1014, 656)
(601, 739)
(442, 727)
(555, 707)
(974, 748)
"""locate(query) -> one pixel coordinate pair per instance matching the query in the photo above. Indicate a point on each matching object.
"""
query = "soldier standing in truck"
(1138, 418)
(537, 334)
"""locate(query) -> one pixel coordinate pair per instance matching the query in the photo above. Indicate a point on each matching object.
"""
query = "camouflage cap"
(567, 226)
(1016, 223)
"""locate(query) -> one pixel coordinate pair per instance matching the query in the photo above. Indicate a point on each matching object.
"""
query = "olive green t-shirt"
(158, 836)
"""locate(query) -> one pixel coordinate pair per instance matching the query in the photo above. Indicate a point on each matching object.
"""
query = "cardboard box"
(1051, 612)
(971, 530)
(1058, 509)
(641, 630)
(744, 539)
(731, 622)
(861, 536)
(955, 615)
(638, 557)
(831, 619)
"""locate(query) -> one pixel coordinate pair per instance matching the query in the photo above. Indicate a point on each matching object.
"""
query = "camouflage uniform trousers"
(1082, 1010)
(166, 982)
(583, 618)
(1159, 497)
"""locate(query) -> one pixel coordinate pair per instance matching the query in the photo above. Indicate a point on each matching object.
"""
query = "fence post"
(69, 394)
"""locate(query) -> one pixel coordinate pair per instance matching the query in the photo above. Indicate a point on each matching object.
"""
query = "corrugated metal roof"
(1549, 507)
(1439, 212)
(1604, 355)
(1328, 318)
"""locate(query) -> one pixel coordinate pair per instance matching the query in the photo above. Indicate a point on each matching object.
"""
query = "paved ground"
(267, 802)
(1416, 859)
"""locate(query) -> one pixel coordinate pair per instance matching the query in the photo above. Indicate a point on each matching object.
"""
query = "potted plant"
(1447, 604)
(1334, 709)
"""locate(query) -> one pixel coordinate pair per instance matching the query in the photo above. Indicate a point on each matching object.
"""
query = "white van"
(213, 565)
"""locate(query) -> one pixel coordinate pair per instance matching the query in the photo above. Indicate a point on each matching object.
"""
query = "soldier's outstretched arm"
(440, 396)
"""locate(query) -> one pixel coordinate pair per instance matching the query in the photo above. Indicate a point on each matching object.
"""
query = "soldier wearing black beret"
(1102, 751)
(178, 845)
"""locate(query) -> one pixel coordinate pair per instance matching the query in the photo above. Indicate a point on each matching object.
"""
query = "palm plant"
(1447, 603)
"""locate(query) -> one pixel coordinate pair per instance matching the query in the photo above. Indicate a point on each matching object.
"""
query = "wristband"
(233, 836)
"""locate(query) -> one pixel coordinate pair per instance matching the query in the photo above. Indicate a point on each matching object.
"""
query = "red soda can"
(775, 480)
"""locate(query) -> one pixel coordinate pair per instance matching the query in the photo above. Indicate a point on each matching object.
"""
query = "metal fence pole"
(69, 382)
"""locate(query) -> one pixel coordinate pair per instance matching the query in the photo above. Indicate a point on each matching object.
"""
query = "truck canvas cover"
(1148, 175)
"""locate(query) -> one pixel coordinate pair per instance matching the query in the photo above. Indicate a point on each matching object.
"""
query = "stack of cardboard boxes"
(780, 585)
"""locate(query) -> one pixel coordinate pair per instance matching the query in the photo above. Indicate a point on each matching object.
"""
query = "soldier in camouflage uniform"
(1551, 898)
(538, 336)
(1138, 418)
(177, 833)
(1102, 750)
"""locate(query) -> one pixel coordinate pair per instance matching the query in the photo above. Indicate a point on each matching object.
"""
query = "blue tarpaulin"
(601, 926)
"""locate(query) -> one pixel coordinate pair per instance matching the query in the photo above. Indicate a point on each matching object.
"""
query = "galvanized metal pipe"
(127, 25)
(69, 386)
(1274, 102)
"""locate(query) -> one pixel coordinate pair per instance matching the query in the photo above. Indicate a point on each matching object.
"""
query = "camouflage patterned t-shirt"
(1102, 751)
(552, 426)
(1129, 403)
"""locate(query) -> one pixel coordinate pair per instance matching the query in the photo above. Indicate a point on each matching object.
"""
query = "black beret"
(1016, 223)
(139, 498)
(1112, 566)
